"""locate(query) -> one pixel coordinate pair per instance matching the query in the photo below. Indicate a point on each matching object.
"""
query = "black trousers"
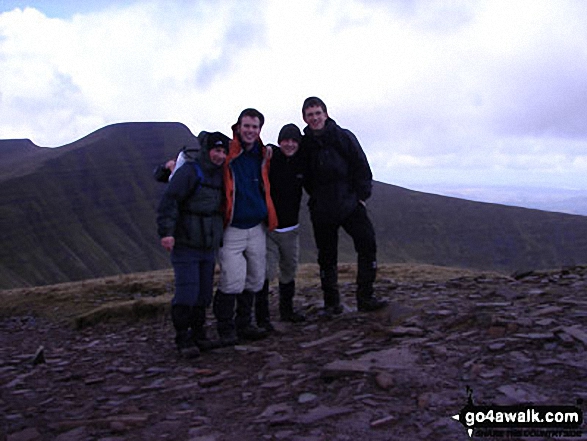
(359, 227)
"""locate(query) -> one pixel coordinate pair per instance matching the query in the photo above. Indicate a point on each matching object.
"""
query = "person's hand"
(170, 165)
(168, 243)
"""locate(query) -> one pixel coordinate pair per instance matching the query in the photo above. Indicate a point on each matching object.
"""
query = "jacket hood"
(208, 141)
(328, 125)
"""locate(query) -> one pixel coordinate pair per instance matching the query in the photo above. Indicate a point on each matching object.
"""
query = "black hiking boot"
(367, 302)
(286, 309)
(186, 345)
(245, 330)
(199, 334)
(251, 333)
(223, 307)
(262, 314)
(332, 306)
(329, 284)
(329, 312)
(181, 317)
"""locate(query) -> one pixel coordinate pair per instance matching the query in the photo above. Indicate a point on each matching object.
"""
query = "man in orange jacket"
(249, 212)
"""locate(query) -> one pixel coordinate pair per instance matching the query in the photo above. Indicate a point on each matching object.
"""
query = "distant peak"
(21, 145)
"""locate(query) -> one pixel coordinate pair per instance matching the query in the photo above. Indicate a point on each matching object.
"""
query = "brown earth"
(399, 374)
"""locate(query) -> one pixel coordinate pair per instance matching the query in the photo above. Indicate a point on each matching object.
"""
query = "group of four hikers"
(238, 200)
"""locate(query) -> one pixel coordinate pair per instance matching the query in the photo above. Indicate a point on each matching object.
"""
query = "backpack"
(187, 153)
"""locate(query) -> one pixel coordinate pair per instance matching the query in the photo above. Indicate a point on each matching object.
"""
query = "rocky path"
(399, 374)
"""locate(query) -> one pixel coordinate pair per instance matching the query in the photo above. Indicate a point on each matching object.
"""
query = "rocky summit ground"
(399, 374)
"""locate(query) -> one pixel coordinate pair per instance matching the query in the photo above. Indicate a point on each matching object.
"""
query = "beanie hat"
(289, 131)
(217, 139)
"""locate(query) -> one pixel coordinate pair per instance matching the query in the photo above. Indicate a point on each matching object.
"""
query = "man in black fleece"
(283, 244)
(338, 180)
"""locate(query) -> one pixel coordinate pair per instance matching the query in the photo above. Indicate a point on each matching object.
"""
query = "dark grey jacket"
(337, 173)
(191, 207)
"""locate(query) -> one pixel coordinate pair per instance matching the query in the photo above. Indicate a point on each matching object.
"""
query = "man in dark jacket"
(190, 225)
(338, 180)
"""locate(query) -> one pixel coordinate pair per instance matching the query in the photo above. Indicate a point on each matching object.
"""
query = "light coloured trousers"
(283, 249)
(242, 260)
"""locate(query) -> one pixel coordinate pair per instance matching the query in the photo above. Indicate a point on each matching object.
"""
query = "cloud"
(434, 90)
(120, 64)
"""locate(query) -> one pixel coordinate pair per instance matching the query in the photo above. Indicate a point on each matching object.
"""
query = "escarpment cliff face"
(87, 210)
(400, 373)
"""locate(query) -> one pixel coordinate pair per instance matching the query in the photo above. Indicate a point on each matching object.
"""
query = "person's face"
(315, 117)
(217, 155)
(249, 129)
(289, 147)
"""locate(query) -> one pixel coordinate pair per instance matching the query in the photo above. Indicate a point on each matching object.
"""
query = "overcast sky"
(470, 93)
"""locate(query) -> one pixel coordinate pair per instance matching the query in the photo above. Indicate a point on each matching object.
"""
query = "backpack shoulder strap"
(199, 174)
(198, 170)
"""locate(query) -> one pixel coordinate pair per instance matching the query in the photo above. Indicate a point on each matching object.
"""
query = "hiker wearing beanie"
(249, 214)
(338, 180)
(190, 225)
(283, 244)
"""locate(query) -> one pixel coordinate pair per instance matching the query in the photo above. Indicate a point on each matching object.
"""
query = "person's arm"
(304, 166)
(163, 171)
(178, 189)
(359, 166)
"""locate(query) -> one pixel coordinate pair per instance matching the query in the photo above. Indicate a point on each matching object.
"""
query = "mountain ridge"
(87, 210)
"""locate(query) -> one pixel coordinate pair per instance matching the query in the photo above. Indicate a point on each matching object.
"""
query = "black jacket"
(337, 174)
(286, 176)
(191, 207)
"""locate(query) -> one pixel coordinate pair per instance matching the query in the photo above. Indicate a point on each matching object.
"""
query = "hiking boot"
(227, 339)
(245, 330)
(286, 309)
(332, 304)
(251, 333)
(267, 326)
(181, 316)
(223, 308)
(207, 344)
(293, 317)
(262, 315)
(366, 300)
(370, 304)
(329, 312)
(199, 335)
(186, 345)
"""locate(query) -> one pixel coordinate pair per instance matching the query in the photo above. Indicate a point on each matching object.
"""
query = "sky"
(465, 94)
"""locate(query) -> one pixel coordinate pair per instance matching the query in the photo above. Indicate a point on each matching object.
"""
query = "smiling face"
(217, 155)
(315, 117)
(289, 147)
(249, 130)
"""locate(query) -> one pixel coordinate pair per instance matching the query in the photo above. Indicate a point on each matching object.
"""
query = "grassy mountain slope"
(87, 210)
(448, 231)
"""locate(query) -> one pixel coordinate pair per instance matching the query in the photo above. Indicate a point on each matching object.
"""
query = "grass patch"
(133, 310)
(141, 295)
(65, 302)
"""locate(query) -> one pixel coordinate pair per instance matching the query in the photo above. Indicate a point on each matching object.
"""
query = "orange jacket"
(234, 150)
